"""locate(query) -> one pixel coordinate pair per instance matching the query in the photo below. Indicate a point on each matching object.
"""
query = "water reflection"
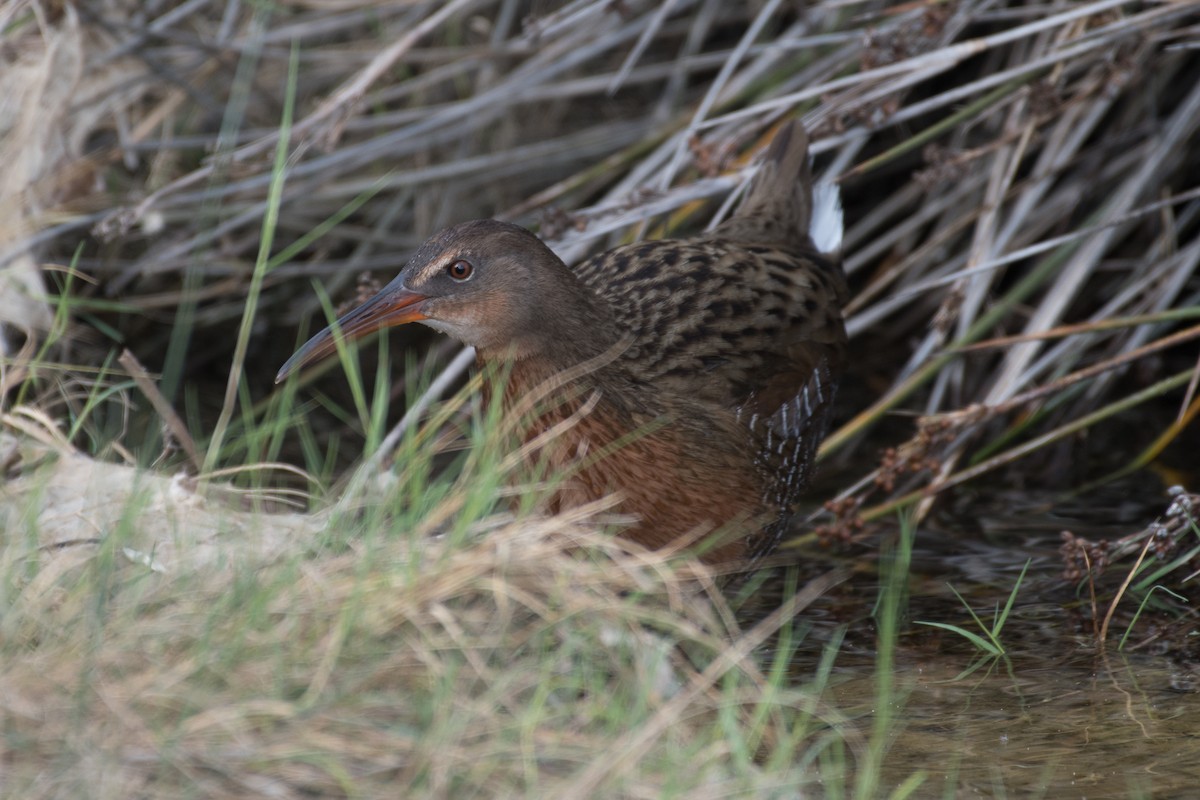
(1086, 727)
(1057, 716)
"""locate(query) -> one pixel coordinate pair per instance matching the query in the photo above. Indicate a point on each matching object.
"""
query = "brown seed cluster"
(553, 222)
(711, 159)
(921, 452)
(1082, 558)
(944, 166)
(897, 465)
(897, 43)
(1169, 538)
(847, 522)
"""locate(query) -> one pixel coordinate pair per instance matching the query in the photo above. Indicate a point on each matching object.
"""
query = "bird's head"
(487, 283)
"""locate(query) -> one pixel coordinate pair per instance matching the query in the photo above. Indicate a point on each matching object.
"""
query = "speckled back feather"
(747, 317)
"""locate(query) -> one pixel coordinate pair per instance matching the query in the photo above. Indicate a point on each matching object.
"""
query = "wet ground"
(1056, 716)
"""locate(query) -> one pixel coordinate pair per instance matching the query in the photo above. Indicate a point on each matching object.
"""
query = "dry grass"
(258, 657)
(1008, 170)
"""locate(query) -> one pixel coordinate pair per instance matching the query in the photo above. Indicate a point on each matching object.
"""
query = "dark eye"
(460, 270)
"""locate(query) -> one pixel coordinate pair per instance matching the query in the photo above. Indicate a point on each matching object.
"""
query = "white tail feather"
(825, 229)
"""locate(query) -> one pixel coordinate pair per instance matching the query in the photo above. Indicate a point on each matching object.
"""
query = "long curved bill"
(391, 307)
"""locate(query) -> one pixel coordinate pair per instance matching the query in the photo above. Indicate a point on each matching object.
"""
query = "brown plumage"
(711, 361)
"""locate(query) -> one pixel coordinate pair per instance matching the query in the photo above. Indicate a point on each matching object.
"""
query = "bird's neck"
(574, 326)
(557, 362)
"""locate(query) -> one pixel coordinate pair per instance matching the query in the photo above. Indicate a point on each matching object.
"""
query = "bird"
(698, 375)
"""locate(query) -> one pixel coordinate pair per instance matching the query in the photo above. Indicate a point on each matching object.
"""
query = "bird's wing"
(717, 318)
(753, 329)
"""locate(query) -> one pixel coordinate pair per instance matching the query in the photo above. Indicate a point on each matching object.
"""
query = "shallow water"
(1081, 727)
(1056, 717)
